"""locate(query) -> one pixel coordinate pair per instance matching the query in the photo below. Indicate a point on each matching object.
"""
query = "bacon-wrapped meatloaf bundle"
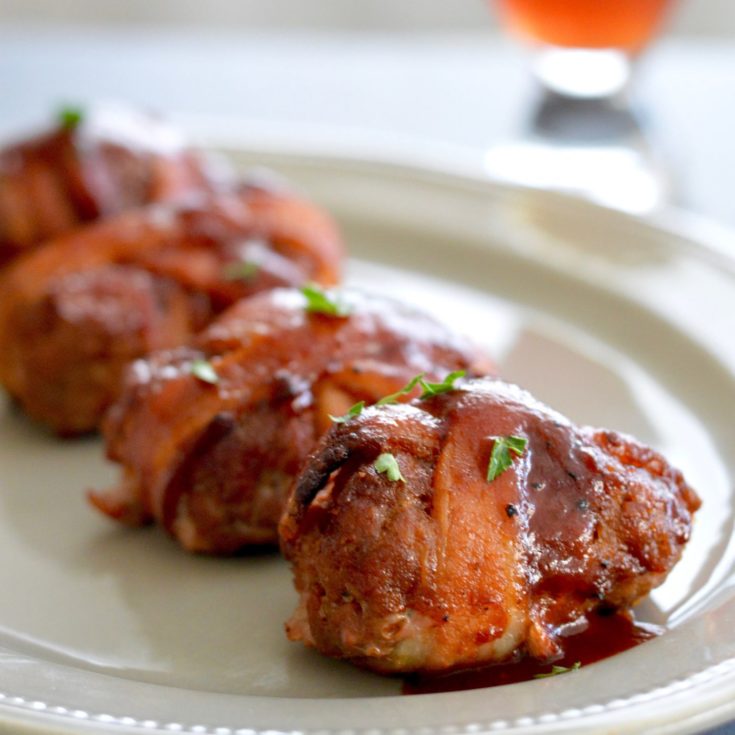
(210, 436)
(74, 312)
(472, 527)
(95, 163)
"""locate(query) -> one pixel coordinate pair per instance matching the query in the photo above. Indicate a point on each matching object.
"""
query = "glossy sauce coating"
(606, 634)
(449, 570)
(212, 463)
(113, 159)
(74, 313)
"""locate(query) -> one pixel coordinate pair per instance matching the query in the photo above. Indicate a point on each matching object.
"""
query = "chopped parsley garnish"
(204, 371)
(434, 389)
(355, 410)
(243, 271)
(429, 389)
(556, 670)
(500, 457)
(386, 463)
(393, 397)
(70, 117)
(318, 301)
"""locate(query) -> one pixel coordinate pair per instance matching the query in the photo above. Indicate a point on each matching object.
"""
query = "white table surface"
(452, 92)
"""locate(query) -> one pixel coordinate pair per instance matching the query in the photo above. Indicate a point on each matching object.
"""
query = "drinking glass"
(583, 134)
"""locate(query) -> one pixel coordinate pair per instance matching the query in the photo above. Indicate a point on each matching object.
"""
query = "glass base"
(583, 72)
(594, 146)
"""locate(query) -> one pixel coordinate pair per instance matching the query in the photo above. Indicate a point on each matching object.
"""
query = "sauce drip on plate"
(606, 635)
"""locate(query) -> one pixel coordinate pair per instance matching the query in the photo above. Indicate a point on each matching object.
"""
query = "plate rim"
(715, 240)
(457, 164)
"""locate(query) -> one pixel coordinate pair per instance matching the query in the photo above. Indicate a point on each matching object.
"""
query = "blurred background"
(708, 18)
(418, 74)
(439, 78)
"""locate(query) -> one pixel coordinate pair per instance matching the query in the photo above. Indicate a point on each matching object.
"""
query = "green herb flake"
(556, 670)
(386, 463)
(500, 457)
(242, 271)
(393, 397)
(430, 389)
(318, 301)
(355, 410)
(204, 371)
(434, 389)
(70, 117)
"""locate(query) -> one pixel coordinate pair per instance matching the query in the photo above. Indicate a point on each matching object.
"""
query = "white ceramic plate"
(615, 321)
